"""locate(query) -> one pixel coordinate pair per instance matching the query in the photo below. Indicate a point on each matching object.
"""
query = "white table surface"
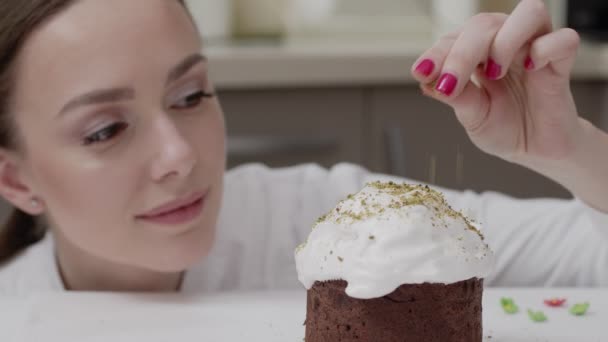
(268, 317)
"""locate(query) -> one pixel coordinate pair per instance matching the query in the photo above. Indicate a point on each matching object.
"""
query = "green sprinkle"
(537, 316)
(300, 247)
(508, 305)
(579, 309)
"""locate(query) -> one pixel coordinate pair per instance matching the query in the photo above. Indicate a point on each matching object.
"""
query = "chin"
(185, 252)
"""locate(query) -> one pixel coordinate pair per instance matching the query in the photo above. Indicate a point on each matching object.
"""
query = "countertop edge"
(244, 67)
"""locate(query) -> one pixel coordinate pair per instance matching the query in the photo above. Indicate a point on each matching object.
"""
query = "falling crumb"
(371, 237)
(340, 259)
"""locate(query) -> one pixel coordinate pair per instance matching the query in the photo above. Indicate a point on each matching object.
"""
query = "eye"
(192, 100)
(105, 133)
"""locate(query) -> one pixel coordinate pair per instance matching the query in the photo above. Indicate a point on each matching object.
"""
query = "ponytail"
(20, 231)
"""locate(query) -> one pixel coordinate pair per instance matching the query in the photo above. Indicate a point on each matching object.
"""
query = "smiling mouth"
(177, 212)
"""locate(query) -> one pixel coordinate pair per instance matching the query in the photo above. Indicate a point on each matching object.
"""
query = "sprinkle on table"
(555, 302)
(537, 316)
(508, 305)
(579, 309)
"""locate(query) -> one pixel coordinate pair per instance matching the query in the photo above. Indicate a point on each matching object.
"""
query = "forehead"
(90, 19)
(98, 43)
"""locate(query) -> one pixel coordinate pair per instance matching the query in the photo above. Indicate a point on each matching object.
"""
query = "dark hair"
(19, 19)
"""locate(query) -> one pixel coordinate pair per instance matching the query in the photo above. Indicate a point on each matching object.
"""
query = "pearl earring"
(35, 202)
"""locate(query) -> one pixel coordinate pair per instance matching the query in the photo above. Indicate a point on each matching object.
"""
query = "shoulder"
(282, 198)
(34, 270)
(260, 188)
(266, 212)
(256, 175)
(260, 184)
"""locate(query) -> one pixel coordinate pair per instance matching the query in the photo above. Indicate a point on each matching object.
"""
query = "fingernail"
(446, 84)
(425, 67)
(493, 69)
(529, 63)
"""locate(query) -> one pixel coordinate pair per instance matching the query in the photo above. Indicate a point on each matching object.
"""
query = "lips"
(173, 206)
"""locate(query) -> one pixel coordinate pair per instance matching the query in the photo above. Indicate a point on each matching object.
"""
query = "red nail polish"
(425, 67)
(446, 84)
(529, 63)
(493, 69)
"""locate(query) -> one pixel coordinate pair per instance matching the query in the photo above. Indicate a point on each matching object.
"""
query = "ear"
(13, 186)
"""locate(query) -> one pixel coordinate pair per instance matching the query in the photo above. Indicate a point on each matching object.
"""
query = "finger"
(427, 67)
(471, 106)
(529, 20)
(470, 49)
(557, 50)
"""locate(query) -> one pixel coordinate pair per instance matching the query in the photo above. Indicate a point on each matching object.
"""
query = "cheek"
(78, 187)
(209, 139)
(86, 200)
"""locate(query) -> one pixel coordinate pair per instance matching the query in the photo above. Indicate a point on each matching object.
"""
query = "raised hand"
(521, 106)
(507, 77)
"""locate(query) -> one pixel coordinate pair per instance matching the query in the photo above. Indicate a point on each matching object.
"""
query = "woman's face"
(114, 122)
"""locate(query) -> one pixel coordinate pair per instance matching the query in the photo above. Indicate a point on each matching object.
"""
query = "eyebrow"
(184, 66)
(127, 93)
(99, 96)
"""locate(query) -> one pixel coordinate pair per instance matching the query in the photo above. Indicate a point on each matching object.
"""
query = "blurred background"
(327, 81)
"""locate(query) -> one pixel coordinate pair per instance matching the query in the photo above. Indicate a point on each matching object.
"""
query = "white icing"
(388, 235)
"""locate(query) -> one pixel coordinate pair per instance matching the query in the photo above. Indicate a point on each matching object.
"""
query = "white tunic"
(267, 212)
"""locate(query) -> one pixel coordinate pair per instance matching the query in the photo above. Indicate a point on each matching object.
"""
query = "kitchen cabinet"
(388, 129)
(291, 126)
(417, 137)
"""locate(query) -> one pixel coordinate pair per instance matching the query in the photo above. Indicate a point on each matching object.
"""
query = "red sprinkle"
(555, 302)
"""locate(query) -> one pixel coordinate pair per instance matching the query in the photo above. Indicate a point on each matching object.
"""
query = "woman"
(113, 139)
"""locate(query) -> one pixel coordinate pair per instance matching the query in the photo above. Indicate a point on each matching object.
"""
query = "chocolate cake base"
(416, 313)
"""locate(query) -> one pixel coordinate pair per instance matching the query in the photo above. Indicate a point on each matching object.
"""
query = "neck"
(81, 271)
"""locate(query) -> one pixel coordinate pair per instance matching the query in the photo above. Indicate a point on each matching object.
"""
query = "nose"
(175, 156)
